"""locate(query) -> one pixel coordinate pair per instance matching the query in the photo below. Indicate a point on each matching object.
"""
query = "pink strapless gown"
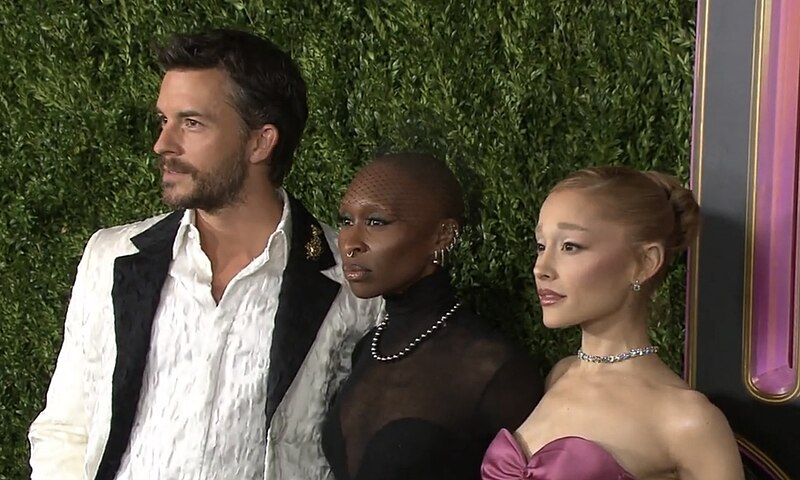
(566, 458)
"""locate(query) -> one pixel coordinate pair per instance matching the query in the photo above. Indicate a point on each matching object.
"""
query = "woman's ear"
(264, 141)
(652, 257)
(447, 234)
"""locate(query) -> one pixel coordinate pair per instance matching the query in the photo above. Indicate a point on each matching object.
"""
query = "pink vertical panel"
(772, 370)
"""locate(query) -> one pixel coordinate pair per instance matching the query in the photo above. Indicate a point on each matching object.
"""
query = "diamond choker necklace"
(632, 353)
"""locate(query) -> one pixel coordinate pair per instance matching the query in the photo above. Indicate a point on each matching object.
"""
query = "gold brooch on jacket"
(314, 245)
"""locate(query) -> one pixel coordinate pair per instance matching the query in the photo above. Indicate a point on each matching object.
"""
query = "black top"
(432, 413)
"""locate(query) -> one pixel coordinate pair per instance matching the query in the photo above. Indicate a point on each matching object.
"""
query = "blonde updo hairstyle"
(653, 205)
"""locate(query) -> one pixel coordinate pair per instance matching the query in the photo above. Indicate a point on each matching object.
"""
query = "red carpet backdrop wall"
(744, 309)
(513, 94)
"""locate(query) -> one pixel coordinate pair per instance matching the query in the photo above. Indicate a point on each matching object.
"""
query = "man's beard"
(212, 190)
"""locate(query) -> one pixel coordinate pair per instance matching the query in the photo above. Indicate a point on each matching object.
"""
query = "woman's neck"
(616, 334)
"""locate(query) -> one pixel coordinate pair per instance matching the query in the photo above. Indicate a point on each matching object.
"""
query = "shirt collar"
(280, 238)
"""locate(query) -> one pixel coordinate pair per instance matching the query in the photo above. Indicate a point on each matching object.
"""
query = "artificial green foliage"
(514, 94)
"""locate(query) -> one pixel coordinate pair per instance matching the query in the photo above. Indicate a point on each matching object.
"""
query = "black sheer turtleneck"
(432, 413)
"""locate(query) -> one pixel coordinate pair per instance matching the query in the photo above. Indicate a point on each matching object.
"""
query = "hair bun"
(684, 206)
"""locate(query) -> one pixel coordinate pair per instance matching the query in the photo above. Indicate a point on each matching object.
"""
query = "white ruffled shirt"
(202, 413)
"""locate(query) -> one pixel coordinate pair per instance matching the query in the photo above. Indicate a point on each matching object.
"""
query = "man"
(208, 342)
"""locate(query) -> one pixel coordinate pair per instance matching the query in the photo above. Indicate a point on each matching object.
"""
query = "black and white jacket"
(85, 428)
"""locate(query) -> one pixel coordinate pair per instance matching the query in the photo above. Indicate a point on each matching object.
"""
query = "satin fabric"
(566, 458)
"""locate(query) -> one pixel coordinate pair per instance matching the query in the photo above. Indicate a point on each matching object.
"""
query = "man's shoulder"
(331, 237)
(331, 233)
(119, 237)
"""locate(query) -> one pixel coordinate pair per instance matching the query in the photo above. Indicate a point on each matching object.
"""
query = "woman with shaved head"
(431, 384)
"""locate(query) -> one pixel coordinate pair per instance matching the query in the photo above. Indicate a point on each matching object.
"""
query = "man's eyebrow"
(190, 113)
(184, 113)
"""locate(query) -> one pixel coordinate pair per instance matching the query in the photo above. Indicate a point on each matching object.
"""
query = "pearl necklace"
(402, 353)
(632, 353)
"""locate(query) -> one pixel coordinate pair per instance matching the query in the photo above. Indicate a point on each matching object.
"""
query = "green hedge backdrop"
(513, 93)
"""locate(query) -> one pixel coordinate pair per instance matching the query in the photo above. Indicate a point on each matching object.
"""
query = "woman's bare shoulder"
(698, 435)
(687, 407)
(559, 369)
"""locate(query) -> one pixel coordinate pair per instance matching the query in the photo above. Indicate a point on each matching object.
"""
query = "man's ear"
(263, 142)
(652, 258)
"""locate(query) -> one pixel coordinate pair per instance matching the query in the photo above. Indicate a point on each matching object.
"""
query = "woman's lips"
(549, 297)
(354, 273)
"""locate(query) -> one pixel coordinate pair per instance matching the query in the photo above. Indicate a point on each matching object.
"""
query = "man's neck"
(241, 229)
(232, 237)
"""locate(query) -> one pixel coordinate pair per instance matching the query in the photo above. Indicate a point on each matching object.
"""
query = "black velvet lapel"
(305, 298)
(136, 293)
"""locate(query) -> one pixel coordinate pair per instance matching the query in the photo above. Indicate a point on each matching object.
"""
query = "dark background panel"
(724, 167)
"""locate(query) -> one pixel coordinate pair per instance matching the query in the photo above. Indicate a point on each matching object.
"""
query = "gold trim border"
(761, 458)
(698, 136)
(761, 37)
(693, 270)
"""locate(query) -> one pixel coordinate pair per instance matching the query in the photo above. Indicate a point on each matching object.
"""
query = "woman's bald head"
(418, 178)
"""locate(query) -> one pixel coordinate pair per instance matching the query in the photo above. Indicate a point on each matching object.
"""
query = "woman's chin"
(363, 291)
(555, 323)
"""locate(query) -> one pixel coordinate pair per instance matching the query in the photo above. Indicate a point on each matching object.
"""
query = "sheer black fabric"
(431, 414)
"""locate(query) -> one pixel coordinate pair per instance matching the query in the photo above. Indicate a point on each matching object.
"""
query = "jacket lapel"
(305, 298)
(136, 293)
(303, 303)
